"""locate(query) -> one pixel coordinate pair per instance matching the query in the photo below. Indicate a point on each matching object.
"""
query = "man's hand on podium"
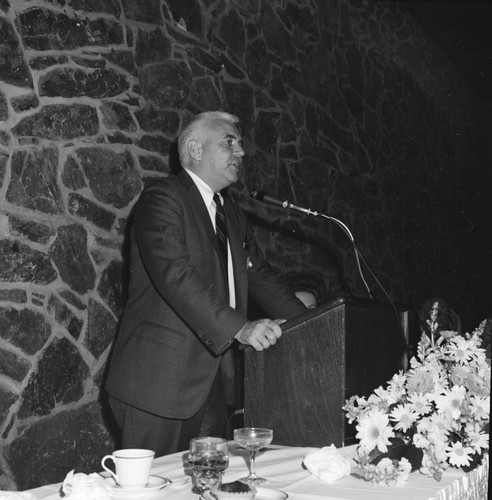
(260, 334)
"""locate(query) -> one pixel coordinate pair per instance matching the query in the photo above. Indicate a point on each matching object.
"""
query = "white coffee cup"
(132, 467)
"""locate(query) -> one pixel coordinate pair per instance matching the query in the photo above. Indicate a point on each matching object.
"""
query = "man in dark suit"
(171, 365)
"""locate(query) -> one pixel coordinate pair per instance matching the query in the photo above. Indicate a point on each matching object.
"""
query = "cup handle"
(109, 457)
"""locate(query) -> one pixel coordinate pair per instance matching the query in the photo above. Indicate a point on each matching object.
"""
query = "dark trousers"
(140, 429)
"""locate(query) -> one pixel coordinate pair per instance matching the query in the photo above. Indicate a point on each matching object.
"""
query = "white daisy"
(404, 416)
(480, 407)
(478, 441)
(450, 401)
(459, 455)
(420, 403)
(374, 431)
(461, 349)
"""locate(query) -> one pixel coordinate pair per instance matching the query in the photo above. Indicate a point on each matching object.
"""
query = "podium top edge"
(347, 300)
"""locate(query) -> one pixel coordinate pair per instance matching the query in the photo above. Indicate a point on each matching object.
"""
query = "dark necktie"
(220, 226)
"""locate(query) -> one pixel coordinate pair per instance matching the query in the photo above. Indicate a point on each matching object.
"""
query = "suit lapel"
(196, 201)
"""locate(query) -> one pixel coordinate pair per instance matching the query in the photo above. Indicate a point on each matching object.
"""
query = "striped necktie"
(220, 226)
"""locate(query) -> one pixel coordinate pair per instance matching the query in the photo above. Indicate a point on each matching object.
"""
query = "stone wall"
(346, 108)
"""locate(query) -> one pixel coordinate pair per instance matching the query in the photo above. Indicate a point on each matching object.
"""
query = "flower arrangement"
(434, 416)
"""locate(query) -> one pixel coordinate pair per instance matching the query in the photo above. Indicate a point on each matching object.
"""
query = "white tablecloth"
(284, 470)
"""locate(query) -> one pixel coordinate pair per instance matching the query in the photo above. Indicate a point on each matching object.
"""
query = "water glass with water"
(209, 458)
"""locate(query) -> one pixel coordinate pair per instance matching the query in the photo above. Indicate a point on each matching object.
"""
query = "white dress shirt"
(207, 195)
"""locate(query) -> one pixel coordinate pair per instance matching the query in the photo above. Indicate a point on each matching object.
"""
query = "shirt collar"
(205, 190)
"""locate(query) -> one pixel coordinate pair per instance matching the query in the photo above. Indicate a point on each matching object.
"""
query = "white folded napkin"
(15, 495)
(327, 464)
(80, 486)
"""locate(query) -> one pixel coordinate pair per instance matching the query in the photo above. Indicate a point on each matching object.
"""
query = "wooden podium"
(298, 387)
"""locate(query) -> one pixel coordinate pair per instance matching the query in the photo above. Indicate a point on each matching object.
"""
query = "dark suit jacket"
(177, 322)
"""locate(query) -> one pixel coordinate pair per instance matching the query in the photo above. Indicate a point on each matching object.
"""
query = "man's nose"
(238, 150)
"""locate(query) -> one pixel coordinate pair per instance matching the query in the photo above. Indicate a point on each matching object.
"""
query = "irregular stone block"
(4, 109)
(233, 69)
(153, 163)
(258, 62)
(33, 231)
(158, 120)
(147, 11)
(69, 252)
(74, 82)
(59, 379)
(206, 58)
(232, 32)
(266, 130)
(4, 158)
(13, 295)
(107, 6)
(101, 329)
(13, 68)
(72, 175)
(112, 176)
(14, 366)
(110, 287)
(59, 121)
(278, 39)
(287, 128)
(7, 399)
(34, 180)
(292, 77)
(187, 14)
(117, 116)
(302, 18)
(85, 209)
(155, 143)
(43, 29)
(4, 140)
(24, 103)
(42, 62)
(24, 328)
(64, 316)
(122, 58)
(48, 450)
(152, 46)
(72, 299)
(277, 89)
(203, 90)
(167, 84)
(20, 263)
(118, 138)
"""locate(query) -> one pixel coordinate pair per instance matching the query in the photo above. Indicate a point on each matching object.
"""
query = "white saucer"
(261, 494)
(180, 481)
(156, 483)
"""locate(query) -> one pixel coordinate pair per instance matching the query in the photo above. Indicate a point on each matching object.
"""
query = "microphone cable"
(265, 197)
(358, 258)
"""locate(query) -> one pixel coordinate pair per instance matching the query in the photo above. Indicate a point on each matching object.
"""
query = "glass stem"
(252, 465)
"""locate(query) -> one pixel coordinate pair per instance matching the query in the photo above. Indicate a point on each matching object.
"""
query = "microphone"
(256, 194)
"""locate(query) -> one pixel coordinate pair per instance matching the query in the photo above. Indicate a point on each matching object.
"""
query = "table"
(283, 467)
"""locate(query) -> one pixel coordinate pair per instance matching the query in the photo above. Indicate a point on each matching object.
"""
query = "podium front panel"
(298, 386)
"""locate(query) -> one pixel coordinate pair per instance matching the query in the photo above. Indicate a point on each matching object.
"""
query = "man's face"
(221, 155)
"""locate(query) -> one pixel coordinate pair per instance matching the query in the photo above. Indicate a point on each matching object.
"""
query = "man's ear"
(195, 149)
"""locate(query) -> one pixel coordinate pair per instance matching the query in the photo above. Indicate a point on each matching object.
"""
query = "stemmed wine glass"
(253, 439)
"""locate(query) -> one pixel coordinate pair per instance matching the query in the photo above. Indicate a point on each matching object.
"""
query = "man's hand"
(260, 334)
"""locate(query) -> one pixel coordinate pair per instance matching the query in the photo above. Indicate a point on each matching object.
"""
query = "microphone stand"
(358, 258)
